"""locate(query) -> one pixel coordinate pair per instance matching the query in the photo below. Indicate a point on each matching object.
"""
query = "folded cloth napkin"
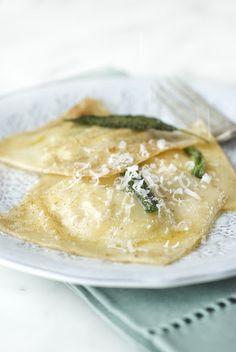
(197, 318)
(183, 319)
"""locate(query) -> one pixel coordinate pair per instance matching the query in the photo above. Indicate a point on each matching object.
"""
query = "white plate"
(213, 260)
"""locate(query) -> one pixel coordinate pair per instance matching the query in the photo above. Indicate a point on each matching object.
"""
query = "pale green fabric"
(192, 318)
(198, 318)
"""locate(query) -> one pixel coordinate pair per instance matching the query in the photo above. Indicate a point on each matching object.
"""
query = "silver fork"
(187, 105)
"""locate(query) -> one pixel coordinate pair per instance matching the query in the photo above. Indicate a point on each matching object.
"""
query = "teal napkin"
(198, 318)
(184, 319)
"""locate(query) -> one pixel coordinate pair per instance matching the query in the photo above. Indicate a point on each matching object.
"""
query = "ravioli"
(218, 166)
(97, 215)
(105, 221)
(65, 148)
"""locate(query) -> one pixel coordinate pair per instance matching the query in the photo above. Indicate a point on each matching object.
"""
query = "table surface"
(41, 315)
(45, 40)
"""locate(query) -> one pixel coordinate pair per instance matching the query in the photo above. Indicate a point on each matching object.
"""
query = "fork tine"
(182, 89)
(168, 87)
(195, 102)
(193, 110)
(196, 98)
(184, 101)
(190, 98)
(170, 103)
(184, 112)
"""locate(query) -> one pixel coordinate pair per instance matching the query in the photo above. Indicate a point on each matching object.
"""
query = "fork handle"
(227, 135)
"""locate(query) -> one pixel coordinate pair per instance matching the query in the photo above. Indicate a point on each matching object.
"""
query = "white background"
(46, 39)
(42, 40)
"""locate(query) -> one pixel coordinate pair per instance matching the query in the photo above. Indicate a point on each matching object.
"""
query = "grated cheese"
(206, 178)
(166, 244)
(131, 172)
(120, 160)
(192, 193)
(183, 225)
(122, 145)
(178, 191)
(184, 181)
(148, 176)
(161, 144)
(102, 171)
(143, 150)
(80, 167)
(175, 245)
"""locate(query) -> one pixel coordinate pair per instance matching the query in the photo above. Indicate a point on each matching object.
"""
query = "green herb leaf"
(199, 167)
(134, 122)
(140, 188)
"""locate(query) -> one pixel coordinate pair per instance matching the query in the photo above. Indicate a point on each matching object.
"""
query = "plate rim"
(199, 278)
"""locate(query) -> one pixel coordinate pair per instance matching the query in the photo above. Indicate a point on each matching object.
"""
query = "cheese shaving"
(192, 194)
(206, 178)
